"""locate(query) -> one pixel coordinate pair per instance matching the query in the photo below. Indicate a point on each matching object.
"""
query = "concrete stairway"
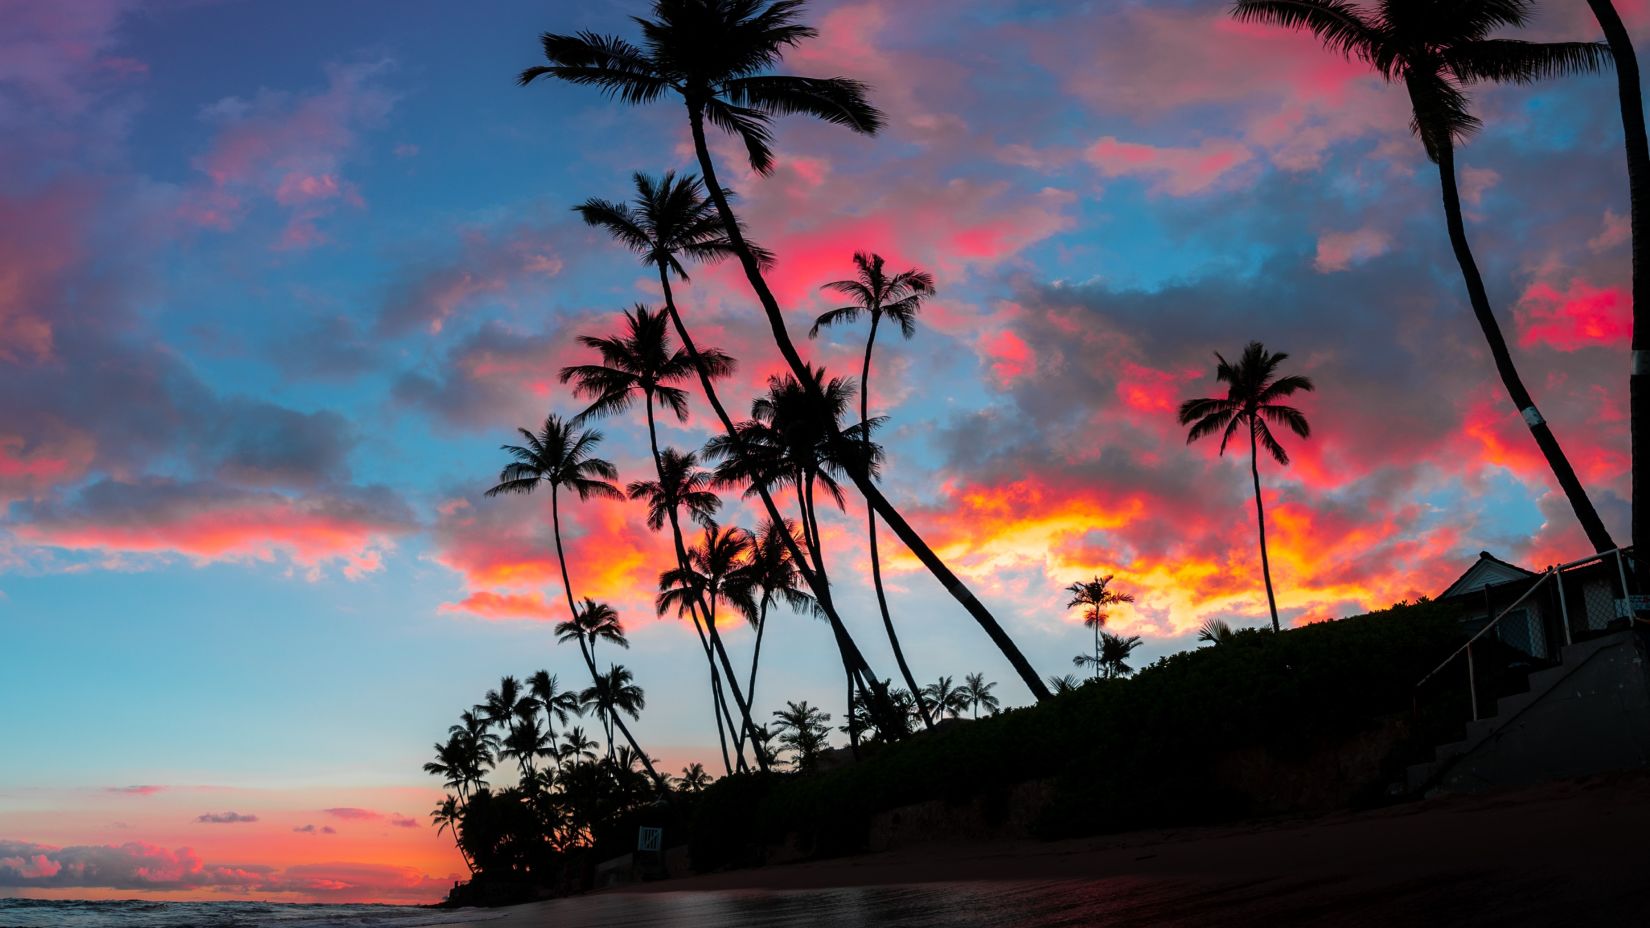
(1588, 714)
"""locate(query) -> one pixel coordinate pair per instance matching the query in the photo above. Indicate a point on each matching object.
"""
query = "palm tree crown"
(683, 485)
(560, 455)
(713, 53)
(877, 294)
(1251, 401)
(641, 360)
(1433, 49)
(669, 219)
(594, 622)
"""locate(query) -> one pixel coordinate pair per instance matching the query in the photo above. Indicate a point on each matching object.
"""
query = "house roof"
(1488, 570)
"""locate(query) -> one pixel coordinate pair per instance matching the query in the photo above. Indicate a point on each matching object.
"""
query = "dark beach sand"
(1573, 853)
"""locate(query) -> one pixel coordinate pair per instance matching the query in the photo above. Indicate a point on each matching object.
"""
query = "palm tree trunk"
(871, 521)
(1638, 192)
(756, 657)
(1260, 520)
(589, 659)
(1567, 479)
(861, 477)
(852, 657)
(614, 720)
(718, 704)
(728, 672)
(1097, 634)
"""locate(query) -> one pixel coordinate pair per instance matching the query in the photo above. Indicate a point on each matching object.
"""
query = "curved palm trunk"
(810, 535)
(1638, 191)
(852, 658)
(756, 657)
(1567, 479)
(718, 703)
(1260, 520)
(873, 496)
(589, 661)
(871, 523)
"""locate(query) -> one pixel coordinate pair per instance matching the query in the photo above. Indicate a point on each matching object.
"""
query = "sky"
(277, 280)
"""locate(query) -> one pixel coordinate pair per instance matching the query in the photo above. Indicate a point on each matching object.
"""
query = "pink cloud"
(1009, 356)
(1338, 251)
(353, 814)
(1579, 316)
(490, 605)
(1174, 171)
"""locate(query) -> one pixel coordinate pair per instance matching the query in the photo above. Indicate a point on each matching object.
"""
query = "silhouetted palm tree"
(716, 54)
(1096, 597)
(803, 729)
(944, 698)
(978, 693)
(615, 694)
(500, 707)
(875, 293)
(683, 485)
(1251, 402)
(599, 622)
(575, 747)
(558, 704)
(768, 576)
(793, 438)
(1434, 49)
(670, 220)
(1068, 683)
(461, 762)
(1216, 631)
(527, 742)
(694, 778)
(1114, 654)
(447, 817)
(1638, 193)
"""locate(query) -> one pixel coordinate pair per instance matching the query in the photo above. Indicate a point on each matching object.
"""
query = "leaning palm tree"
(599, 622)
(717, 55)
(670, 220)
(448, 817)
(642, 361)
(1253, 392)
(1096, 597)
(1114, 653)
(876, 293)
(1435, 48)
(768, 576)
(1638, 197)
(978, 693)
(683, 485)
(615, 694)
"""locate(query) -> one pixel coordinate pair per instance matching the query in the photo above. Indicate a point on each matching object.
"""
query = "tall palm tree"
(502, 706)
(615, 694)
(682, 484)
(1435, 49)
(792, 439)
(978, 693)
(1096, 597)
(558, 704)
(643, 361)
(1638, 195)
(1114, 653)
(668, 221)
(876, 293)
(1253, 392)
(717, 55)
(768, 576)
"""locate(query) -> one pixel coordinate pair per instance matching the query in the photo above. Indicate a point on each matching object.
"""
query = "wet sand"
(1574, 853)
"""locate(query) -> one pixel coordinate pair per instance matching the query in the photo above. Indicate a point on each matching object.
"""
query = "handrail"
(1551, 573)
(1546, 575)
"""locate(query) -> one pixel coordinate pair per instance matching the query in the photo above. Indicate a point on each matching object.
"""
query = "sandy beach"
(1573, 853)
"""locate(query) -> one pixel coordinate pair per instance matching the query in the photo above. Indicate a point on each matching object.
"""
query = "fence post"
(1625, 595)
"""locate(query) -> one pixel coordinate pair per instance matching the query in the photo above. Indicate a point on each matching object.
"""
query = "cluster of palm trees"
(566, 782)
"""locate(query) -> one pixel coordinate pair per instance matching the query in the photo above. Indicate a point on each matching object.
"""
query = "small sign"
(650, 839)
(1640, 601)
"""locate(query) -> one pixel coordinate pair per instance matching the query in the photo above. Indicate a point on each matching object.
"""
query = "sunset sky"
(277, 279)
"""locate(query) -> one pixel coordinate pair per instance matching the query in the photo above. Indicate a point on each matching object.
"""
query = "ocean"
(137, 913)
